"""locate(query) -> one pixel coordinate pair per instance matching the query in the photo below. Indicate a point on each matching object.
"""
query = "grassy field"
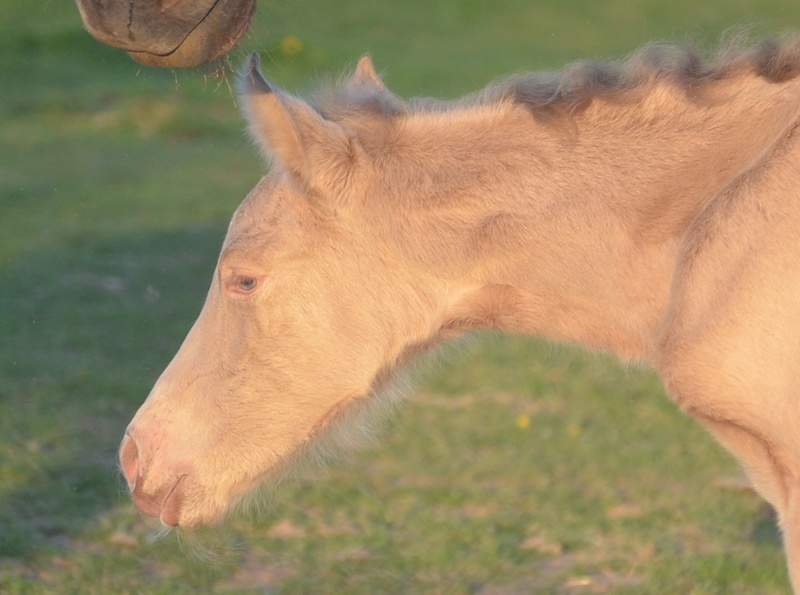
(514, 467)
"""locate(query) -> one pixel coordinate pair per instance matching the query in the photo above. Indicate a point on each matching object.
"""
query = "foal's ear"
(366, 75)
(294, 134)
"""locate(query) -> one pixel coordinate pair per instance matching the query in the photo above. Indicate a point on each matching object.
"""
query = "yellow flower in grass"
(291, 46)
(523, 421)
(574, 430)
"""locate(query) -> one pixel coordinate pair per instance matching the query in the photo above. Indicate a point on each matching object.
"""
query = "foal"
(648, 208)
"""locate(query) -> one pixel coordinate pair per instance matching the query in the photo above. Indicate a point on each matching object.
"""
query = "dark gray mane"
(574, 89)
(547, 94)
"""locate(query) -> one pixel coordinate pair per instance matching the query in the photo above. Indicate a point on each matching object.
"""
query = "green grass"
(514, 467)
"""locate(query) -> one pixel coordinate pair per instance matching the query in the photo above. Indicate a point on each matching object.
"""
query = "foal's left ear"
(295, 135)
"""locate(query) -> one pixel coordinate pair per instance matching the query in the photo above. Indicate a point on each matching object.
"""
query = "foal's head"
(310, 309)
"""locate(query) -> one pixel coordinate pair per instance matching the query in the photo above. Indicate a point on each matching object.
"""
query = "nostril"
(129, 460)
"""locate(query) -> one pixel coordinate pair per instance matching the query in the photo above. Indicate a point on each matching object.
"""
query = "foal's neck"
(572, 229)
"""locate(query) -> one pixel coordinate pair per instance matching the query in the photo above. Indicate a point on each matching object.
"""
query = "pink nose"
(129, 460)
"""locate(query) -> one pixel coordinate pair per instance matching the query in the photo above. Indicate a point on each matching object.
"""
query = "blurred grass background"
(515, 466)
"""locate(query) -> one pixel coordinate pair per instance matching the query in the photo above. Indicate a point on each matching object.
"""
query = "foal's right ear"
(366, 75)
(293, 133)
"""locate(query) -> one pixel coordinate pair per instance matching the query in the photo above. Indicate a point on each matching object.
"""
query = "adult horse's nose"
(129, 460)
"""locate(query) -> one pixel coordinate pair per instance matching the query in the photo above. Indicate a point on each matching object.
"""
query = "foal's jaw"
(191, 485)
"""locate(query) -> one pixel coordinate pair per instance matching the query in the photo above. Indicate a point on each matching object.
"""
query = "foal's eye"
(246, 284)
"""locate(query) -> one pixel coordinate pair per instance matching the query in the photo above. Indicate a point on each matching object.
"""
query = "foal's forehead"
(262, 204)
(264, 192)
(258, 213)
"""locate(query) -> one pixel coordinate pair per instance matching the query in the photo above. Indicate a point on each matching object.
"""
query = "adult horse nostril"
(129, 460)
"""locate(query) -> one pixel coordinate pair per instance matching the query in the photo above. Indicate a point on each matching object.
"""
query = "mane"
(682, 66)
(572, 90)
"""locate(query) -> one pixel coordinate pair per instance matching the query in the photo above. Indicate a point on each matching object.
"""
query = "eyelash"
(244, 284)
